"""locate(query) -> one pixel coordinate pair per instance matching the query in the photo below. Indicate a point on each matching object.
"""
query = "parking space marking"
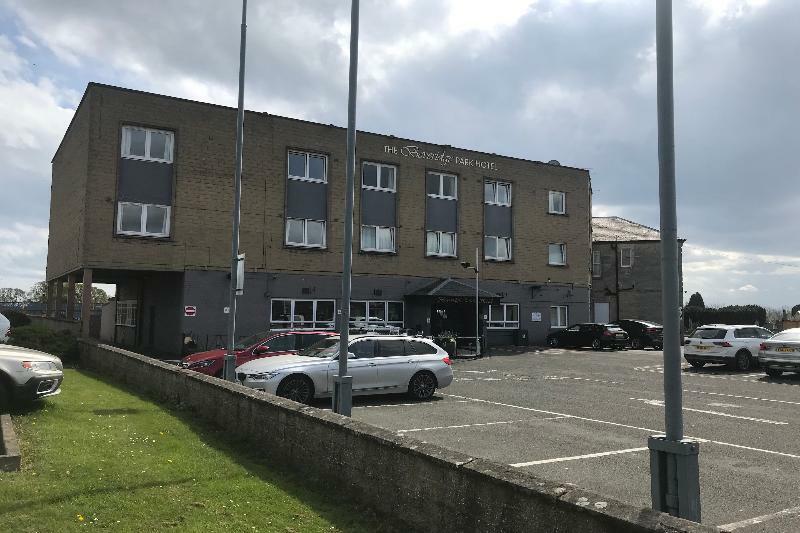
(477, 379)
(660, 403)
(558, 378)
(576, 457)
(741, 397)
(690, 372)
(617, 424)
(794, 511)
(402, 404)
(478, 424)
(474, 371)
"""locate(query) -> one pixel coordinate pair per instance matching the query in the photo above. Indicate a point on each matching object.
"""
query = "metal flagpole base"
(675, 476)
(229, 367)
(343, 395)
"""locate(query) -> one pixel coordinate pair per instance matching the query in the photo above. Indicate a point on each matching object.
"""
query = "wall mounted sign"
(189, 310)
(536, 317)
(442, 157)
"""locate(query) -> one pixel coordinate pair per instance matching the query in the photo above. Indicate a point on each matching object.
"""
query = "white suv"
(736, 346)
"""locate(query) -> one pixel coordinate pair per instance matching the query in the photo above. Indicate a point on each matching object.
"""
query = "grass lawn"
(97, 456)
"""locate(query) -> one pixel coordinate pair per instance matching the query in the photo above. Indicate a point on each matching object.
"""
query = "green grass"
(97, 456)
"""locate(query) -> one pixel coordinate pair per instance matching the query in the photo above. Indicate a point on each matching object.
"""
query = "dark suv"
(598, 336)
(642, 333)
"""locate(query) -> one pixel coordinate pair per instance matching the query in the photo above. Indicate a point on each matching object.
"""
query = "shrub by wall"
(60, 343)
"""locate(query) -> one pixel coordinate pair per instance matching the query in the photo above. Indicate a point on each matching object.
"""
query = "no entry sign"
(189, 310)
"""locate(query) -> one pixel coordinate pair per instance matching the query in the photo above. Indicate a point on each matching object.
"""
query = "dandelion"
(80, 518)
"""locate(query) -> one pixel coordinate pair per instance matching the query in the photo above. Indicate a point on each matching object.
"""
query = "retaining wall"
(9, 447)
(416, 486)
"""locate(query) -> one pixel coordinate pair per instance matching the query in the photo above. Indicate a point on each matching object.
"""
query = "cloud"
(746, 288)
(22, 249)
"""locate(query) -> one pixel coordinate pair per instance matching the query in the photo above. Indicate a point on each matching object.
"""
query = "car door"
(586, 334)
(361, 366)
(571, 336)
(395, 366)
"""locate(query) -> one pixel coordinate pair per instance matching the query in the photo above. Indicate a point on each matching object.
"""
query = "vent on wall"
(307, 290)
(377, 292)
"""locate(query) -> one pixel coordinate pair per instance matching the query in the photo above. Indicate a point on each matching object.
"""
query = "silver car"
(379, 364)
(27, 374)
(781, 353)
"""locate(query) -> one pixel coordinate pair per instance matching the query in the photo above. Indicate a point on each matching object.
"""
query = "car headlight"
(39, 366)
(262, 375)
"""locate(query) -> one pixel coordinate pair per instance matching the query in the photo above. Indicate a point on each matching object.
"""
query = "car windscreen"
(709, 333)
(249, 341)
(325, 348)
(787, 336)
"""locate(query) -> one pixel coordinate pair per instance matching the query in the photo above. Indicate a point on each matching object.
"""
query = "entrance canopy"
(451, 290)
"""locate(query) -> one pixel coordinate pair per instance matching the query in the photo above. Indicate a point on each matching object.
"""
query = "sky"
(572, 80)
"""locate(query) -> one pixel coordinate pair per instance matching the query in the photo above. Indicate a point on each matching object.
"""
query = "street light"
(467, 265)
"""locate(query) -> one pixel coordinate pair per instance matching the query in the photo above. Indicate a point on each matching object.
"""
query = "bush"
(60, 343)
(17, 318)
(731, 314)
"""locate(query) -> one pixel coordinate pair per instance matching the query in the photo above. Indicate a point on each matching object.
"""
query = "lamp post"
(466, 264)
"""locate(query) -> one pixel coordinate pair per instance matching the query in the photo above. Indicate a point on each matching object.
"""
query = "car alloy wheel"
(596, 345)
(422, 385)
(553, 342)
(296, 388)
(743, 360)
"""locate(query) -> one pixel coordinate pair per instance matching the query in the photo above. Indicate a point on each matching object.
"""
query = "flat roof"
(186, 100)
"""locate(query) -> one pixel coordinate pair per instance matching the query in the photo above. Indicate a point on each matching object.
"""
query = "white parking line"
(660, 403)
(474, 371)
(582, 379)
(477, 424)
(741, 396)
(478, 379)
(576, 457)
(794, 511)
(617, 424)
(402, 404)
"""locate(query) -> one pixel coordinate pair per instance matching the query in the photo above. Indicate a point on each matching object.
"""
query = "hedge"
(60, 343)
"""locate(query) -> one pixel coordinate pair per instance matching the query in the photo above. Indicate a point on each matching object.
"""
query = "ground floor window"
(144, 220)
(441, 243)
(558, 316)
(302, 314)
(504, 316)
(376, 313)
(126, 313)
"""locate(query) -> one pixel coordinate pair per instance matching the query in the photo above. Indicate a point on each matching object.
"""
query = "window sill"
(147, 159)
(498, 260)
(138, 236)
(558, 265)
(503, 328)
(496, 204)
(310, 180)
(440, 197)
(557, 214)
(432, 256)
(378, 252)
(292, 246)
(379, 189)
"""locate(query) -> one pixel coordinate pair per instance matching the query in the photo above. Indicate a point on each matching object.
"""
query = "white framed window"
(559, 315)
(376, 313)
(497, 248)
(444, 186)
(440, 244)
(306, 233)
(377, 239)
(557, 202)
(626, 256)
(143, 220)
(504, 316)
(307, 166)
(597, 264)
(146, 144)
(497, 193)
(379, 177)
(126, 313)
(302, 314)
(557, 253)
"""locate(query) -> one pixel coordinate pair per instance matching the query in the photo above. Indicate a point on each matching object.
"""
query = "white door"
(601, 313)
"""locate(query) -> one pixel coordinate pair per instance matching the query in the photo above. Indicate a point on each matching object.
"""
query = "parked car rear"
(642, 334)
(598, 336)
(734, 345)
(256, 346)
(781, 353)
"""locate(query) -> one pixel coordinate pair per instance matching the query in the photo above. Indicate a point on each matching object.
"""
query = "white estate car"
(736, 346)
(781, 353)
(379, 364)
(27, 375)
(5, 328)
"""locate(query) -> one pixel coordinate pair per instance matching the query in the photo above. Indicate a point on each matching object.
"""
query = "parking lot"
(583, 417)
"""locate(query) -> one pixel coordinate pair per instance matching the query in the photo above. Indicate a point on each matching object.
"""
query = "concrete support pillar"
(70, 314)
(86, 302)
(48, 298)
(59, 307)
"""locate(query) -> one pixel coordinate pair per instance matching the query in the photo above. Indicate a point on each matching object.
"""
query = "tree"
(10, 295)
(38, 293)
(795, 309)
(696, 300)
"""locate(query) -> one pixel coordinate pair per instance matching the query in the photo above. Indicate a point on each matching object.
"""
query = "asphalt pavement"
(583, 417)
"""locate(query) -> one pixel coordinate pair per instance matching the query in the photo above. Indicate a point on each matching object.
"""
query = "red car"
(254, 347)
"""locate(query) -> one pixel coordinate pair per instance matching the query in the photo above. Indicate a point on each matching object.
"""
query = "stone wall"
(416, 486)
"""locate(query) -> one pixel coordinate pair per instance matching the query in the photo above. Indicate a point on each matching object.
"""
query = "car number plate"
(784, 349)
(703, 347)
(620, 336)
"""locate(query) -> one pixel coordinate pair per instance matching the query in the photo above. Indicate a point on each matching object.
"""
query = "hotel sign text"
(442, 157)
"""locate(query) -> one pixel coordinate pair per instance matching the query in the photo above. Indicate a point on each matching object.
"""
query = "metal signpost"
(466, 264)
(343, 384)
(674, 470)
(229, 364)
